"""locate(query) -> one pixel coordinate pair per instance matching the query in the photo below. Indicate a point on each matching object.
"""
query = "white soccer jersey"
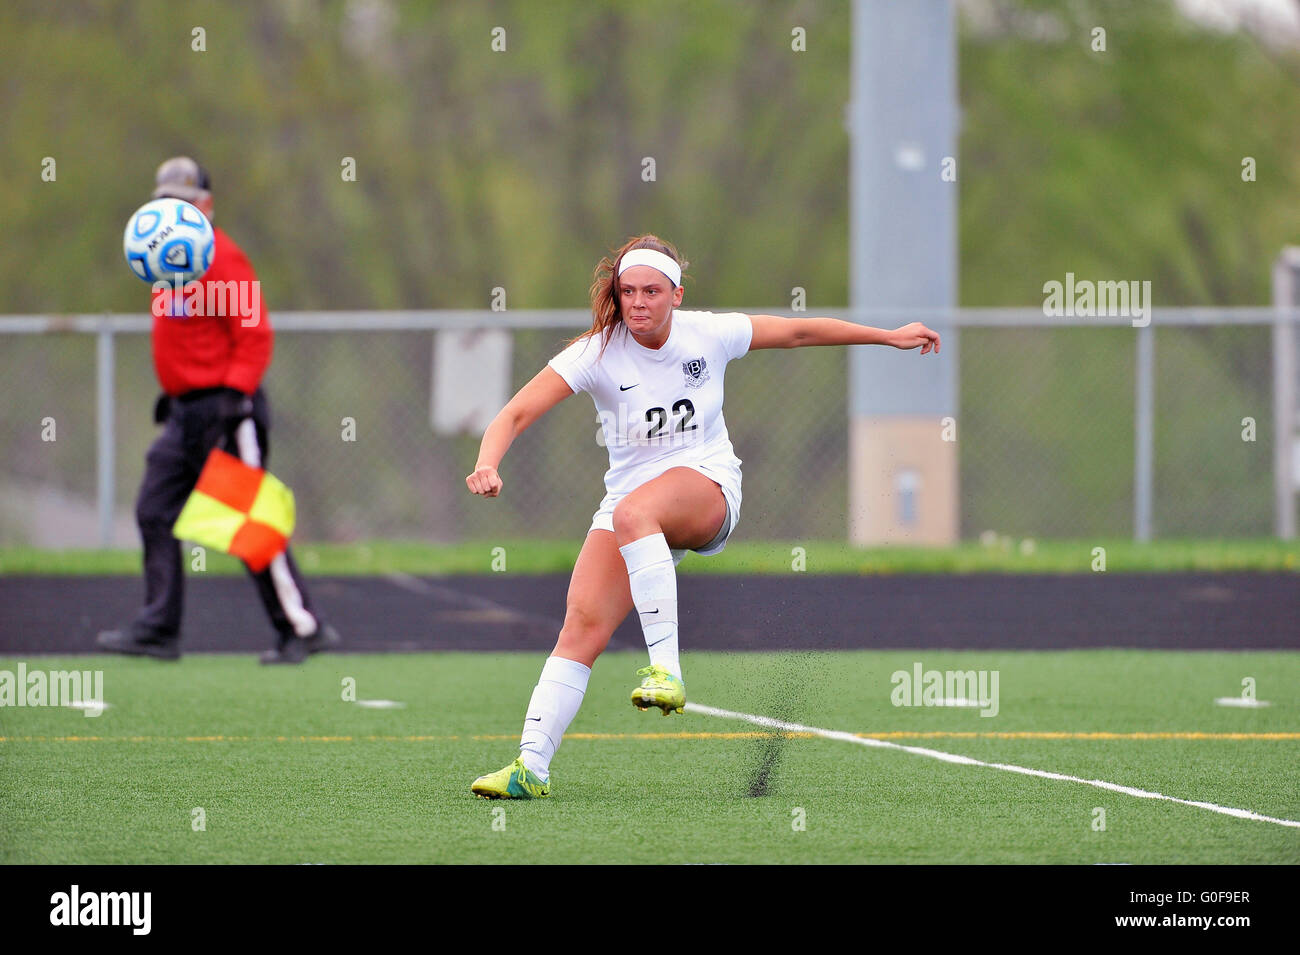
(661, 408)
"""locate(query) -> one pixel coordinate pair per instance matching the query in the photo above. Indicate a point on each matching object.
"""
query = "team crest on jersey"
(696, 371)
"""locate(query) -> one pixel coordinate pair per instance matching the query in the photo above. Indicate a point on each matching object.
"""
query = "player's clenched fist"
(485, 481)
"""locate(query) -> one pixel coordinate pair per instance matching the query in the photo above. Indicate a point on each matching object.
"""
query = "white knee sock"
(553, 706)
(653, 576)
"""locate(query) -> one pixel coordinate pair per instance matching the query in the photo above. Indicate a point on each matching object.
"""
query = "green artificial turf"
(1003, 554)
(285, 770)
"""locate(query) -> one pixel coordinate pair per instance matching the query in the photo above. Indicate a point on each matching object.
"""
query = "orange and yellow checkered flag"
(238, 509)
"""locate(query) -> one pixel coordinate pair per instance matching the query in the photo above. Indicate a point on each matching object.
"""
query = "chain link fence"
(1046, 433)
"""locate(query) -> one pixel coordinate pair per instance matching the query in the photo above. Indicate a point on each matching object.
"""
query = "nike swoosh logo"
(647, 612)
(535, 718)
(627, 387)
(659, 641)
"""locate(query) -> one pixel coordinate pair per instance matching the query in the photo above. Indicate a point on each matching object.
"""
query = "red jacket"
(220, 334)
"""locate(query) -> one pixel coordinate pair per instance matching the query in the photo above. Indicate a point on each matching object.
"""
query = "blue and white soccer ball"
(168, 240)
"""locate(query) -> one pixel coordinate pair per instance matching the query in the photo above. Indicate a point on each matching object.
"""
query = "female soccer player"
(655, 374)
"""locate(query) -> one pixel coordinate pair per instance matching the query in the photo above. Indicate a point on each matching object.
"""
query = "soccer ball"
(168, 240)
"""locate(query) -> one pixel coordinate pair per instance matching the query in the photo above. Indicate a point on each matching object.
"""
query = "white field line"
(1241, 701)
(968, 761)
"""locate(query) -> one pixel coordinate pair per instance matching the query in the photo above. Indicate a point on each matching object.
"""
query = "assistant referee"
(210, 367)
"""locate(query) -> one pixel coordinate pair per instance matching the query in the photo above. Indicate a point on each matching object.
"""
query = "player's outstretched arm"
(544, 392)
(774, 331)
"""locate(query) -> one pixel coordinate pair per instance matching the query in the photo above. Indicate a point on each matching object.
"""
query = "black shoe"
(286, 650)
(296, 649)
(120, 641)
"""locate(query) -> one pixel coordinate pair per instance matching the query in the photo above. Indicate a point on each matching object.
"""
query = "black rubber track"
(1234, 611)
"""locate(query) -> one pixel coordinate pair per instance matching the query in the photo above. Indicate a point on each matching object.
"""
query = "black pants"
(191, 429)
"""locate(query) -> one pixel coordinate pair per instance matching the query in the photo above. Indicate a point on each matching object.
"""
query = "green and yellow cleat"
(659, 688)
(516, 781)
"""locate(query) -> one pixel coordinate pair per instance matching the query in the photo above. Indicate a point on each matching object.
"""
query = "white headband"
(656, 260)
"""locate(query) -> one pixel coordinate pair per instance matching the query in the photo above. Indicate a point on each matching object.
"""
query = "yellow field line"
(757, 734)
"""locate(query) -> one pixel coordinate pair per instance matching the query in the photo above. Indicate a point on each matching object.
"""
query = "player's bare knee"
(579, 621)
(631, 520)
(582, 637)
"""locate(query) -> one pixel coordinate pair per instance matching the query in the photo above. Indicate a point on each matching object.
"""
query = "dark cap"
(182, 178)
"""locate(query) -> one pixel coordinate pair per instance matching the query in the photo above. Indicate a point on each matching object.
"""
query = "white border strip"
(968, 761)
